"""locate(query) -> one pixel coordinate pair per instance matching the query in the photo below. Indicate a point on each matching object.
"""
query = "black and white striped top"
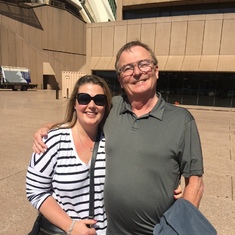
(60, 172)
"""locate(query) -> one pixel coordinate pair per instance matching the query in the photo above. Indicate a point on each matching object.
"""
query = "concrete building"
(194, 41)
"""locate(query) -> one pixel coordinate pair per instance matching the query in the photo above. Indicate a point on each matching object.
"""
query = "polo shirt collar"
(156, 112)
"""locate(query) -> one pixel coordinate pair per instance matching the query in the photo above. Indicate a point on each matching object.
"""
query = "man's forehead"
(133, 55)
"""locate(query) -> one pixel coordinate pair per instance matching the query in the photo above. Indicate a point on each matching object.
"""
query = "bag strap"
(92, 169)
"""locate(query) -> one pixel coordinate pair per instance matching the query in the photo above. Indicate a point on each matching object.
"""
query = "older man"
(149, 145)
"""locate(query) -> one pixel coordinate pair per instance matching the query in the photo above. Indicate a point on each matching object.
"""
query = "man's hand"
(38, 144)
(178, 192)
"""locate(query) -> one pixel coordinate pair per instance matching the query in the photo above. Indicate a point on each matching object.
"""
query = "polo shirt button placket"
(135, 125)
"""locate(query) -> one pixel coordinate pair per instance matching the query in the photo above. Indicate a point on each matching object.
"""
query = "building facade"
(46, 39)
(193, 41)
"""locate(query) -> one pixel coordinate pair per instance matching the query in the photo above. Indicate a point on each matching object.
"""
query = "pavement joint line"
(211, 109)
(232, 188)
(9, 176)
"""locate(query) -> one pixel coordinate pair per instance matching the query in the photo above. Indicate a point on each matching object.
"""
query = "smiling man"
(150, 144)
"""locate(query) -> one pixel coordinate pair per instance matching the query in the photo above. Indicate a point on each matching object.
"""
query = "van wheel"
(23, 88)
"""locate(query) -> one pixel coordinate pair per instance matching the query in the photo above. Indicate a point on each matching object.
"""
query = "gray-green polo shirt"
(145, 158)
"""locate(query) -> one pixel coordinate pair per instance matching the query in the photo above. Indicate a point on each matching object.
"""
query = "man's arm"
(38, 144)
(194, 188)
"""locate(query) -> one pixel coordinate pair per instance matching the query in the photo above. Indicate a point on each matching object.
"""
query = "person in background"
(57, 182)
(150, 144)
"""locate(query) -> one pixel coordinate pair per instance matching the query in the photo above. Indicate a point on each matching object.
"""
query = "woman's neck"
(87, 133)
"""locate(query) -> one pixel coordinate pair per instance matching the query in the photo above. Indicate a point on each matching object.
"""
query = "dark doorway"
(51, 81)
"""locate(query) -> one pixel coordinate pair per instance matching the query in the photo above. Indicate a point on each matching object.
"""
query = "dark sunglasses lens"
(83, 99)
(100, 100)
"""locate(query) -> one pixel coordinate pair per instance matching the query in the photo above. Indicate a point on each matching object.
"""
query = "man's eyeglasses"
(143, 65)
(84, 99)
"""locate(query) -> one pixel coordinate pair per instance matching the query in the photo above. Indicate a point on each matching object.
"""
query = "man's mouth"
(140, 81)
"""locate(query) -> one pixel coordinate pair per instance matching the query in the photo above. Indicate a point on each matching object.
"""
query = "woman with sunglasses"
(57, 182)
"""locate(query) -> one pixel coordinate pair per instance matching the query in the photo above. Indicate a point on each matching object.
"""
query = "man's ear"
(120, 81)
(156, 72)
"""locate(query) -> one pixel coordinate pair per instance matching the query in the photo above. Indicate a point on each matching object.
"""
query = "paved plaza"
(22, 113)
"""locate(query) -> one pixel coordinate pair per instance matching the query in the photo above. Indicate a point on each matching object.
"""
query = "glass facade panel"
(188, 88)
(193, 9)
(205, 89)
(111, 78)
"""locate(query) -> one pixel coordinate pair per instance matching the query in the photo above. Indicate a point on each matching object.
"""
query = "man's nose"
(136, 69)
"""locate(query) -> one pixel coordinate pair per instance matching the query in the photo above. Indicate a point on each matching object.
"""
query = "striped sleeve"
(41, 169)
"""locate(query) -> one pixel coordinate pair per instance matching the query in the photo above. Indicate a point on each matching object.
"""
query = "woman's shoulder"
(58, 133)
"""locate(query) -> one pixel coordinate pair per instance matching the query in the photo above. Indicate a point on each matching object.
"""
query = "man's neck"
(143, 106)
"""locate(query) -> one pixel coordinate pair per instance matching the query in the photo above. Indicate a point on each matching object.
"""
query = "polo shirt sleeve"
(191, 160)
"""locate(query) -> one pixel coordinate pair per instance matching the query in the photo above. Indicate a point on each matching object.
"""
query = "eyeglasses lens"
(84, 99)
(143, 65)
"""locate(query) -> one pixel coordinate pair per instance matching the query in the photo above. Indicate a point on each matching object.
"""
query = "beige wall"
(62, 43)
(184, 43)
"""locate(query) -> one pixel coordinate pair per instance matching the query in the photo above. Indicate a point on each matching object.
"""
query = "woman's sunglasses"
(84, 99)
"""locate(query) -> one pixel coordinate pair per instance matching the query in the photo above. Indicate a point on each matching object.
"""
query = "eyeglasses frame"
(120, 71)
